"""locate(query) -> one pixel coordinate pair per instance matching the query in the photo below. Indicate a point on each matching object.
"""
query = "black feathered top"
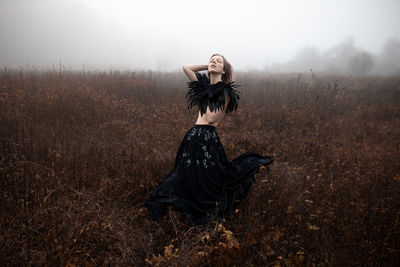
(202, 94)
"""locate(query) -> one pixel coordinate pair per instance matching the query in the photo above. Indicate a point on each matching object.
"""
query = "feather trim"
(234, 96)
(198, 92)
(202, 94)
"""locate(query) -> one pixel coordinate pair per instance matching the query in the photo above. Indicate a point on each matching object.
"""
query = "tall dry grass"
(80, 151)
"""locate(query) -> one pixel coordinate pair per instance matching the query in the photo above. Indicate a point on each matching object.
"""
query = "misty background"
(354, 37)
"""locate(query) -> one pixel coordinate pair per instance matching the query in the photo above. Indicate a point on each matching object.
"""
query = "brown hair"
(227, 77)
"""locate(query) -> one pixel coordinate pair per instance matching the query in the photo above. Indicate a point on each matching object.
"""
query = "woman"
(203, 184)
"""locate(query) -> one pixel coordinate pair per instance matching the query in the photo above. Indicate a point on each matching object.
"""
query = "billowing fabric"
(203, 184)
(202, 94)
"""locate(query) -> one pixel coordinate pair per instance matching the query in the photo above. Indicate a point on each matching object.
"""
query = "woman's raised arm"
(190, 70)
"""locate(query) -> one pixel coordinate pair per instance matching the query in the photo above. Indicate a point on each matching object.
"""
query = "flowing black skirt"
(203, 184)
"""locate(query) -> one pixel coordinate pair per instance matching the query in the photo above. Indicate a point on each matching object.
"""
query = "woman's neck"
(215, 77)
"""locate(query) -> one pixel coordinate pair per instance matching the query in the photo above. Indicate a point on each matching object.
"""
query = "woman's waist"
(205, 126)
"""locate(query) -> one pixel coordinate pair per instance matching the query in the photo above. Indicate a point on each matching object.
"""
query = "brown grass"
(79, 152)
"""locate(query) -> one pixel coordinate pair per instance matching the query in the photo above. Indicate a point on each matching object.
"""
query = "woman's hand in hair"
(190, 70)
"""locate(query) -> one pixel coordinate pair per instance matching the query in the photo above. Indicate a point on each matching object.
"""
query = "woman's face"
(216, 65)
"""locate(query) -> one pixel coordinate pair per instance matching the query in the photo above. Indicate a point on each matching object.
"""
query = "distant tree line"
(345, 58)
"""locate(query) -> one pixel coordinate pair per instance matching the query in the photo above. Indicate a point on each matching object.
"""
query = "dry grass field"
(79, 152)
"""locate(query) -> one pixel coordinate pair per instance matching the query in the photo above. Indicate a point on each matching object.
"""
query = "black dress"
(203, 184)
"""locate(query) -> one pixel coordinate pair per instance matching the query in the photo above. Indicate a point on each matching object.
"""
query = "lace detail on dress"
(206, 133)
(204, 158)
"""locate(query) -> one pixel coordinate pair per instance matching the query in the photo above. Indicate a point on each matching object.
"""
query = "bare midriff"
(212, 117)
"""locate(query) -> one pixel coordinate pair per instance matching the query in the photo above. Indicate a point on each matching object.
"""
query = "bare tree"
(361, 63)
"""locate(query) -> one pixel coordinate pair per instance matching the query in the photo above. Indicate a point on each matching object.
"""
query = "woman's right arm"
(190, 70)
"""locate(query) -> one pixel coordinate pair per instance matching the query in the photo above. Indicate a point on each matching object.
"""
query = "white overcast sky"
(163, 35)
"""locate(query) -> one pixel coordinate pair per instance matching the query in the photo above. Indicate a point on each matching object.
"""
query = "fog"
(359, 37)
